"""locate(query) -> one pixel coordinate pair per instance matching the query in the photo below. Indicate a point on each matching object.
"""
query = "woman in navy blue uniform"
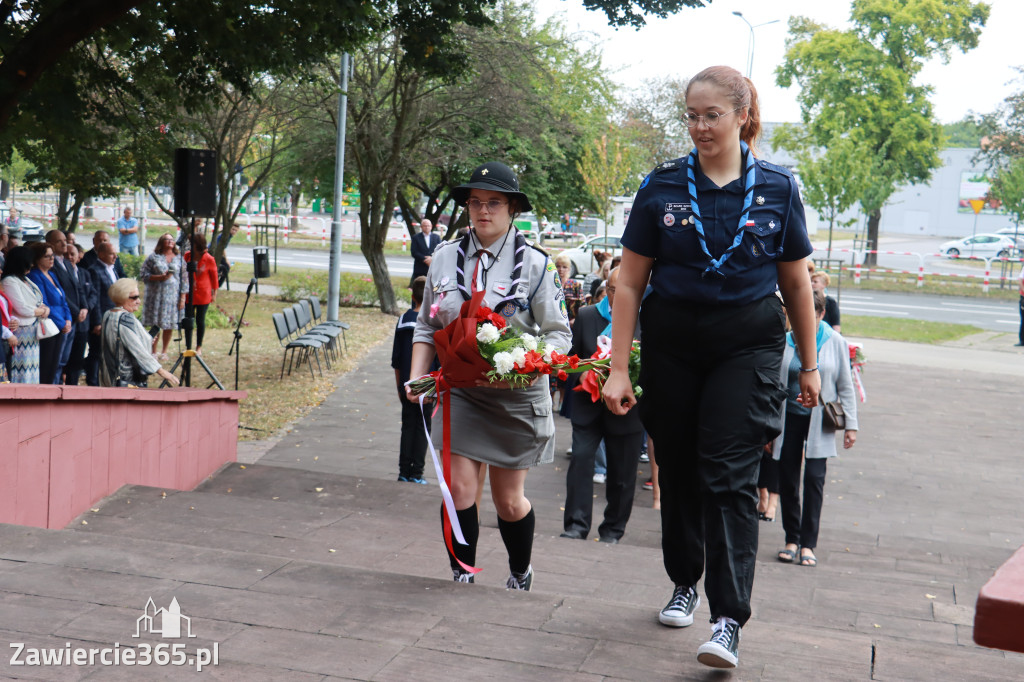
(715, 234)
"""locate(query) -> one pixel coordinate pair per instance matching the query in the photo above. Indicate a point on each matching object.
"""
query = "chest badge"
(445, 280)
(771, 224)
(754, 250)
(759, 201)
(509, 309)
(669, 220)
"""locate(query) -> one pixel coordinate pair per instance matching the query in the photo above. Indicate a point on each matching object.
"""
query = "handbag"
(46, 329)
(833, 415)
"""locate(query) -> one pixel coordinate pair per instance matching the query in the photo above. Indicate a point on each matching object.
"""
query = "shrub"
(356, 290)
(132, 264)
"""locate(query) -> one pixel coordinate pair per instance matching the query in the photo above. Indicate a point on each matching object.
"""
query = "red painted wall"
(63, 448)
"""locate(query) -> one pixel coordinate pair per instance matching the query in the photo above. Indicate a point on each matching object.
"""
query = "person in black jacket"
(423, 245)
(591, 422)
(103, 273)
(92, 255)
(88, 299)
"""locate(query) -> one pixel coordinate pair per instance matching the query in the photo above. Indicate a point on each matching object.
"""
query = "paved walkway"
(312, 563)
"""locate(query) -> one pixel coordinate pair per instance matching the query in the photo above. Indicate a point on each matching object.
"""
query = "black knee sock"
(518, 539)
(470, 531)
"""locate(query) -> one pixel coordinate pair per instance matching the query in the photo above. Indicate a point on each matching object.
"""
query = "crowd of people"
(66, 310)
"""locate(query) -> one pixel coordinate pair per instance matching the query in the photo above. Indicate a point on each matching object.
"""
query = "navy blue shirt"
(401, 349)
(661, 227)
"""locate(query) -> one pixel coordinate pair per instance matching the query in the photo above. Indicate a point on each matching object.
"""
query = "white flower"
(503, 362)
(548, 350)
(530, 342)
(519, 356)
(488, 333)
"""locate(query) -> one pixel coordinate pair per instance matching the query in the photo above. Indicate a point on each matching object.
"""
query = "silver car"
(582, 255)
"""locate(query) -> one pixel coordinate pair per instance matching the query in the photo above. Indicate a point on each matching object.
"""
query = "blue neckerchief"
(606, 312)
(748, 193)
(823, 335)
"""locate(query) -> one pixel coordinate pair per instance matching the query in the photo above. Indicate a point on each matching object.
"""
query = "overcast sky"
(693, 39)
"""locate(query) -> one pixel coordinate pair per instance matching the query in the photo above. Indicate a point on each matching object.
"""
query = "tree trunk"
(296, 195)
(5, 190)
(62, 209)
(382, 278)
(76, 209)
(874, 218)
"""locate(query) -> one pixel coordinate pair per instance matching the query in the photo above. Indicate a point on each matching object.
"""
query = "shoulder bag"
(832, 415)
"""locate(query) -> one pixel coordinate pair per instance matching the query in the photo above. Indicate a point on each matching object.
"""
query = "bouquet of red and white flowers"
(482, 345)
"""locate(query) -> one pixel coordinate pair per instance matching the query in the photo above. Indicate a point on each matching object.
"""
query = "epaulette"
(781, 170)
(443, 244)
(675, 164)
(537, 246)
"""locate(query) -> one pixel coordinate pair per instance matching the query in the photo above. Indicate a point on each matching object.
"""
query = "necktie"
(477, 275)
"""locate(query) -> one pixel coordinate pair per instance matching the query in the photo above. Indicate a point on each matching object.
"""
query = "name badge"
(677, 208)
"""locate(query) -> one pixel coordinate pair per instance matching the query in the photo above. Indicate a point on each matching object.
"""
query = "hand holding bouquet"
(481, 345)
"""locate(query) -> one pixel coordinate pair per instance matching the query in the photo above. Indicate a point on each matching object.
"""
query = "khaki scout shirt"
(540, 304)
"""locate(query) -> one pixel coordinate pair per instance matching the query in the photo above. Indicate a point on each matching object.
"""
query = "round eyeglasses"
(710, 119)
(492, 205)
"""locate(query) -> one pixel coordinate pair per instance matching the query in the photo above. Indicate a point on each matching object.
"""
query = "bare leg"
(654, 474)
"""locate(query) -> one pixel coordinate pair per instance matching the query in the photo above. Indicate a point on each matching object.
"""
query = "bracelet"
(812, 369)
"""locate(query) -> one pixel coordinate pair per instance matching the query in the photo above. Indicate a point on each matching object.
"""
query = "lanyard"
(714, 268)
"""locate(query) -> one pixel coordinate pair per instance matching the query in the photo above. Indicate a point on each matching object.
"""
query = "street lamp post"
(750, 43)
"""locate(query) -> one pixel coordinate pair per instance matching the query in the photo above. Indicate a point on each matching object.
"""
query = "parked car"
(980, 245)
(1014, 233)
(582, 255)
(31, 229)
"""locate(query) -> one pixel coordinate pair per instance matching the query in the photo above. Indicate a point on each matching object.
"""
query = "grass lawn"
(899, 329)
(273, 403)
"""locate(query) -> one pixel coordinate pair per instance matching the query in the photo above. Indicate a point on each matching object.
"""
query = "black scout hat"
(495, 177)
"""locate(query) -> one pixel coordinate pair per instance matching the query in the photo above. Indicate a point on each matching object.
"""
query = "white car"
(582, 255)
(979, 246)
(1014, 233)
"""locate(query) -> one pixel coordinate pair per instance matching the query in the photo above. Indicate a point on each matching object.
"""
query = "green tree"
(1008, 187)
(967, 132)
(860, 84)
(607, 170)
(832, 178)
(409, 132)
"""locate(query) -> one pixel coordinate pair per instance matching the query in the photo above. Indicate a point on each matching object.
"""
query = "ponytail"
(741, 92)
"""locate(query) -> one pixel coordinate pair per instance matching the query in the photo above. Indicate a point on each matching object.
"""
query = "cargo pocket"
(543, 422)
(768, 404)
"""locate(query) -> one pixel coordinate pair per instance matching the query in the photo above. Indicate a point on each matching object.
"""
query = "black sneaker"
(722, 650)
(461, 577)
(517, 581)
(679, 612)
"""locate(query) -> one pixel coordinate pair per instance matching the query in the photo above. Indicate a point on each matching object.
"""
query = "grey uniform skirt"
(511, 429)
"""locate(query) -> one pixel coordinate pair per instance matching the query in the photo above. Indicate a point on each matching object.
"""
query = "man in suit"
(423, 244)
(103, 273)
(67, 279)
(88, 300)
(91, 256)
(592, 422)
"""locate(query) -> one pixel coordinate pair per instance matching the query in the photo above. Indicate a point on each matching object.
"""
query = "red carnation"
(562, 374)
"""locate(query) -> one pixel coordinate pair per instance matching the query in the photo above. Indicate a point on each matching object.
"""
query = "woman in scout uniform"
(716, 232)
(510, 430)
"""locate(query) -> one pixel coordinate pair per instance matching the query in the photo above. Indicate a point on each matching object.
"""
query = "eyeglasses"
(492, 205)
(135, 297)
(710, 119)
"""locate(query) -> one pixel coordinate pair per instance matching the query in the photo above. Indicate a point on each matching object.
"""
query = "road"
(988, 315)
